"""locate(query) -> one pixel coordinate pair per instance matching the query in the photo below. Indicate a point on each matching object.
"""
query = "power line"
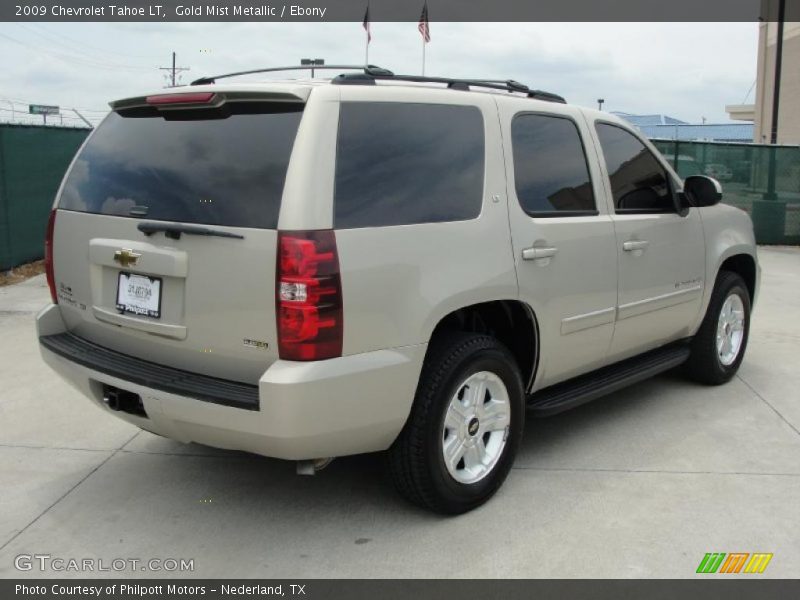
(749, 91)
(72, 58)
(79, 54)
(81, 44)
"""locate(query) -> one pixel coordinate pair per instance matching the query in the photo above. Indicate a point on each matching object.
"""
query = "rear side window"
(551, 174)
(399, 164)
(216, 171)
(638, 181)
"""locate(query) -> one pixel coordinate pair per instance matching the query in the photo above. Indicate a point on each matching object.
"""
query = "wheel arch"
(511, 322)
(744, 265)
(737, 258)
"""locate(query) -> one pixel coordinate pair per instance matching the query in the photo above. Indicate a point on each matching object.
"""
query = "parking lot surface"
(639, 484)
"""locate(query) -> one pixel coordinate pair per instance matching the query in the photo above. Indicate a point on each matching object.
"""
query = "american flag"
(424, 26)
(366, 25)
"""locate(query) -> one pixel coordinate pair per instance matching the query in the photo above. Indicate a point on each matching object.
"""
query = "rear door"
(165, 235)
(563, 238)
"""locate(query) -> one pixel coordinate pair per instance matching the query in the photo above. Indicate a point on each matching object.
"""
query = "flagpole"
(424, 32)
(366, 36)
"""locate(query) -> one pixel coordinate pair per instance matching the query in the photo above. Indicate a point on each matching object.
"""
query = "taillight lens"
(48, 256)
(308, 296)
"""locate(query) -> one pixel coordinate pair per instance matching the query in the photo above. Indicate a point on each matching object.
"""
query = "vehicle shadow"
(239, 513)
(362, 482)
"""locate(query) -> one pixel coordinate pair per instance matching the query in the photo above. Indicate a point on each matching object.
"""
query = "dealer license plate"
(139, 295)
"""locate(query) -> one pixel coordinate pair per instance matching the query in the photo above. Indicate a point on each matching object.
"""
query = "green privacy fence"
(761, 179)
(33, 160)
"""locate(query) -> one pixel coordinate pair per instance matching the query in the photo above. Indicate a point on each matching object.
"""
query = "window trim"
(554, 214)
(484, 139)
(551, 214)
(668, 176)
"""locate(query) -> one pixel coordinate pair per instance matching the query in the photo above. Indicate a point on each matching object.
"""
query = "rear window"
(217, 171)
(550, 168)
(404, 163)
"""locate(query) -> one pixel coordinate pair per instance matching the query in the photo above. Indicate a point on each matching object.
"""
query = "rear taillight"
(308, 296)
(48, 256)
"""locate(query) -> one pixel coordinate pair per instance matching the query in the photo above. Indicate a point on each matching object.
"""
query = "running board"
(582, 389)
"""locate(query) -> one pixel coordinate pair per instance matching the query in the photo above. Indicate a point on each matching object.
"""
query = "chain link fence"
(18, 112)
(33, 159)
(763, 180)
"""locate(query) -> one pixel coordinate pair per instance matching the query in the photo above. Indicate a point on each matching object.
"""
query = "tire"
(485, 434)
(708, 363)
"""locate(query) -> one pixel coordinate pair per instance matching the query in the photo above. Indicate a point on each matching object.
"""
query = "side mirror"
(700, 190)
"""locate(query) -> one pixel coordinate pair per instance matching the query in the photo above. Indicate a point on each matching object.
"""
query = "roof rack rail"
(509, 85)
(536, 94)
(368, 69)
(368, 74)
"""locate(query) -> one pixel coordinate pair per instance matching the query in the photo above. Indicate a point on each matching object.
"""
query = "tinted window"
(638, 181)
(220, 171)
(550, 170)
(398, 164)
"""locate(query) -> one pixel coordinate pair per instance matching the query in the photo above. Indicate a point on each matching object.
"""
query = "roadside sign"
(42, 109)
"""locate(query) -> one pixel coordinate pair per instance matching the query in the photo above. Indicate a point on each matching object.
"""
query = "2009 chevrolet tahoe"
(307, 269)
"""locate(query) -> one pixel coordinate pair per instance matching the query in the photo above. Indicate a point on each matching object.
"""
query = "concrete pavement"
(640, 484)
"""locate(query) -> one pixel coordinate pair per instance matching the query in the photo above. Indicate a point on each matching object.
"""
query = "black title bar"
(394, 10)
(711, 587)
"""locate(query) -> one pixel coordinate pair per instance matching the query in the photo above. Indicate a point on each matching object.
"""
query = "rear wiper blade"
(174, 231)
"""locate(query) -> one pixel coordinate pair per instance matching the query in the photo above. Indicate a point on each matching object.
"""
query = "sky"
(685, 70)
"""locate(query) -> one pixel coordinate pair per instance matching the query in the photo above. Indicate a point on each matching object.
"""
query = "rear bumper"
(305, 410)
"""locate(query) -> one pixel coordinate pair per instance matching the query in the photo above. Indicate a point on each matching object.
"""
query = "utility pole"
(776, 93)
(173, 71)
(769, 213)
(776, 98)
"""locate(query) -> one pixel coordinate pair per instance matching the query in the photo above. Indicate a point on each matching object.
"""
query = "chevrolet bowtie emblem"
(126, 257)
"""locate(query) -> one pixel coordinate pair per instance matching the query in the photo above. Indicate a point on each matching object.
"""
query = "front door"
(661, 253)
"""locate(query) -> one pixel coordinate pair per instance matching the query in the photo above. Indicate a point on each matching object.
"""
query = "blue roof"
(668, 128)
(725, 132)
(647, 120)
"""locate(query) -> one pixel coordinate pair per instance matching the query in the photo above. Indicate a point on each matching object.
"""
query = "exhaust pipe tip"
(312, 467)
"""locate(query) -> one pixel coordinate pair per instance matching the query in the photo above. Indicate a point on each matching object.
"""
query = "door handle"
(632, 245)
(537, 252)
